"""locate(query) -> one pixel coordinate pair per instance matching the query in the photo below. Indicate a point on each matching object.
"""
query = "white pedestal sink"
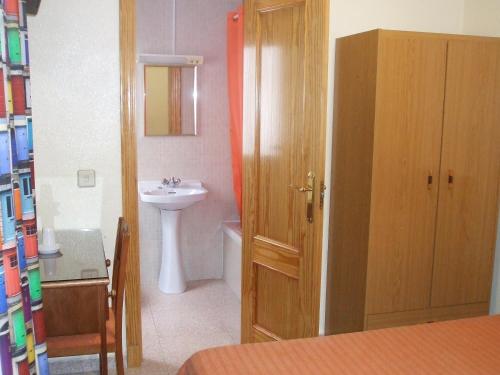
(171, 200)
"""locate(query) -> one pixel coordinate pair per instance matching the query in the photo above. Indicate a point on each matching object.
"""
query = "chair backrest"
(120, 268)
(118, 249)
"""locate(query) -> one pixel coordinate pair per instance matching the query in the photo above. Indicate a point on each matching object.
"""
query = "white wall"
(482, 17)
(350, 17)
(74, 52)
(201, 30)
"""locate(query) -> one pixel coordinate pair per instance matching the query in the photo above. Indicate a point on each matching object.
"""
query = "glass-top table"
(75, 289)
(80, 258)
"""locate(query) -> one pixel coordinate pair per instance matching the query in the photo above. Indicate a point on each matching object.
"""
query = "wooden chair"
(117, 294)
(91, 343)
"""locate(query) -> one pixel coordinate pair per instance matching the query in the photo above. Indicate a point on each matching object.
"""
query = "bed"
(468, 346)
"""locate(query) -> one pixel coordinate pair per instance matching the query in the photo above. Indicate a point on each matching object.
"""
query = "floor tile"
(174, 327)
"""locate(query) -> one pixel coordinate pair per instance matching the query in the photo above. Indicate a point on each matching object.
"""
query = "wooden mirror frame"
(129, 178)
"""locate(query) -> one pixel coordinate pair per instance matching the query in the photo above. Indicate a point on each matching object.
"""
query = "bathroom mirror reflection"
(170, 100)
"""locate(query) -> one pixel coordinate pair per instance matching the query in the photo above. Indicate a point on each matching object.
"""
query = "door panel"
(468, 203)
(407, 147)
(278, 305)
(281, 132)
(284, 121)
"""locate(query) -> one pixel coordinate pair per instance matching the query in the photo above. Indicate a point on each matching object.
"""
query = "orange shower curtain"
(235, 90)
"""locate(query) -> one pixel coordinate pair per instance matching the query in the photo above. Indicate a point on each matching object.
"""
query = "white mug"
(49, 238)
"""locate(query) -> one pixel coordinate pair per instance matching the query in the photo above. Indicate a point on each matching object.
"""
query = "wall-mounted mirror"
(170, 100)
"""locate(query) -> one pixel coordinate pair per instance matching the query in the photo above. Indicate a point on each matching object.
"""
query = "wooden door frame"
(129, 178)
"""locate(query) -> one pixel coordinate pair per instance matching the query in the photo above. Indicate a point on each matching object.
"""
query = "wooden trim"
(433, 314)
(102, 297)
(271, 5)
(248, 280)
(281, 259)
(322, 29)
(74, 284)
(175, 96)
(418, 34)
(129, 178)
(260, 334)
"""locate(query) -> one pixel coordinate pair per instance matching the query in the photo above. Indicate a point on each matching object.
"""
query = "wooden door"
(468, 199)
(284, 137)
(407, 147)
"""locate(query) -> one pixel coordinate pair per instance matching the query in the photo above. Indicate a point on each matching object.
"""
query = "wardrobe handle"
(450, 179)
(429, 180)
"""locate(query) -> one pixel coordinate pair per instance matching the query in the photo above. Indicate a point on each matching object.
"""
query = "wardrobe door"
(407, 147)
(468, 197)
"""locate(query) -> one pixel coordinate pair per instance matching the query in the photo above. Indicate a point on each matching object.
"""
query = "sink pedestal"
(172, 279)
(171, 200)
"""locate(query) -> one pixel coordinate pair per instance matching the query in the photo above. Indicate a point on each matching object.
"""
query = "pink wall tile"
(201, 30)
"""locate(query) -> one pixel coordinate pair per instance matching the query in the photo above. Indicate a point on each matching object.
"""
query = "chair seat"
(62, 346)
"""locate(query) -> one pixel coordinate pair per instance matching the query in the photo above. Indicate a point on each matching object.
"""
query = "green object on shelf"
(19, 328)
(14, 45)
(35, 284)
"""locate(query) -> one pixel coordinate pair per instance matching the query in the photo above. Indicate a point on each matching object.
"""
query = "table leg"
(103, 307)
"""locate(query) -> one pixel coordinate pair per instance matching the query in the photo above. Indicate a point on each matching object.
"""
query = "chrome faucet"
(174, 181)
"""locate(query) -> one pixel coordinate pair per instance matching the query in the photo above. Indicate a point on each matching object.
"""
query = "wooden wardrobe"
(415, 179)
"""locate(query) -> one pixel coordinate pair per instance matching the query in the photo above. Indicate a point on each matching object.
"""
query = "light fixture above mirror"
(182, 60)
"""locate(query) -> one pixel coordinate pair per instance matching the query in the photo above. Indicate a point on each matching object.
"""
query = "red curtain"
(235, 90)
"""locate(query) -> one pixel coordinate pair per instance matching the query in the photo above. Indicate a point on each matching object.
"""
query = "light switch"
(86, 178)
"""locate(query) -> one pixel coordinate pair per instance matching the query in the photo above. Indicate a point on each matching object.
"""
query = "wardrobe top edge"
(419, 34)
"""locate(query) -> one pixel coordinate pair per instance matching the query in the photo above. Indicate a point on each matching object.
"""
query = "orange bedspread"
(468, 346)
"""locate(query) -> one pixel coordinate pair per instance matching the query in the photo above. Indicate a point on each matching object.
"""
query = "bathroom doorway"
(207, 313)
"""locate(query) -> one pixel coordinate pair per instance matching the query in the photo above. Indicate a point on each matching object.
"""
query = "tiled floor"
(176, 326)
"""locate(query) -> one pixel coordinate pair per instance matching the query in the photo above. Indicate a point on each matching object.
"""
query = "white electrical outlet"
(86, 178)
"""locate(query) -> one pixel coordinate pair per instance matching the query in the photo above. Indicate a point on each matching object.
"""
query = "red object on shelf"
(39, 325)
(19, 95)
(12, 7)
(30, 238)
(17, 203)
(23, 367)
(11, 269)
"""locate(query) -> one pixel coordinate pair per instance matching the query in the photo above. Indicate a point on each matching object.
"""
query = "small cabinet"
(415, 179)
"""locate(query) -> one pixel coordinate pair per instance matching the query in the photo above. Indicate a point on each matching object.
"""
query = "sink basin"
(172, 198)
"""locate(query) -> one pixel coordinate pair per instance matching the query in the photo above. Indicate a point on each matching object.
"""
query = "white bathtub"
(232, 247)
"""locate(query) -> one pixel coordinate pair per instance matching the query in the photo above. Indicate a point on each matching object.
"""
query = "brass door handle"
(309, 190)
(301, 189)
